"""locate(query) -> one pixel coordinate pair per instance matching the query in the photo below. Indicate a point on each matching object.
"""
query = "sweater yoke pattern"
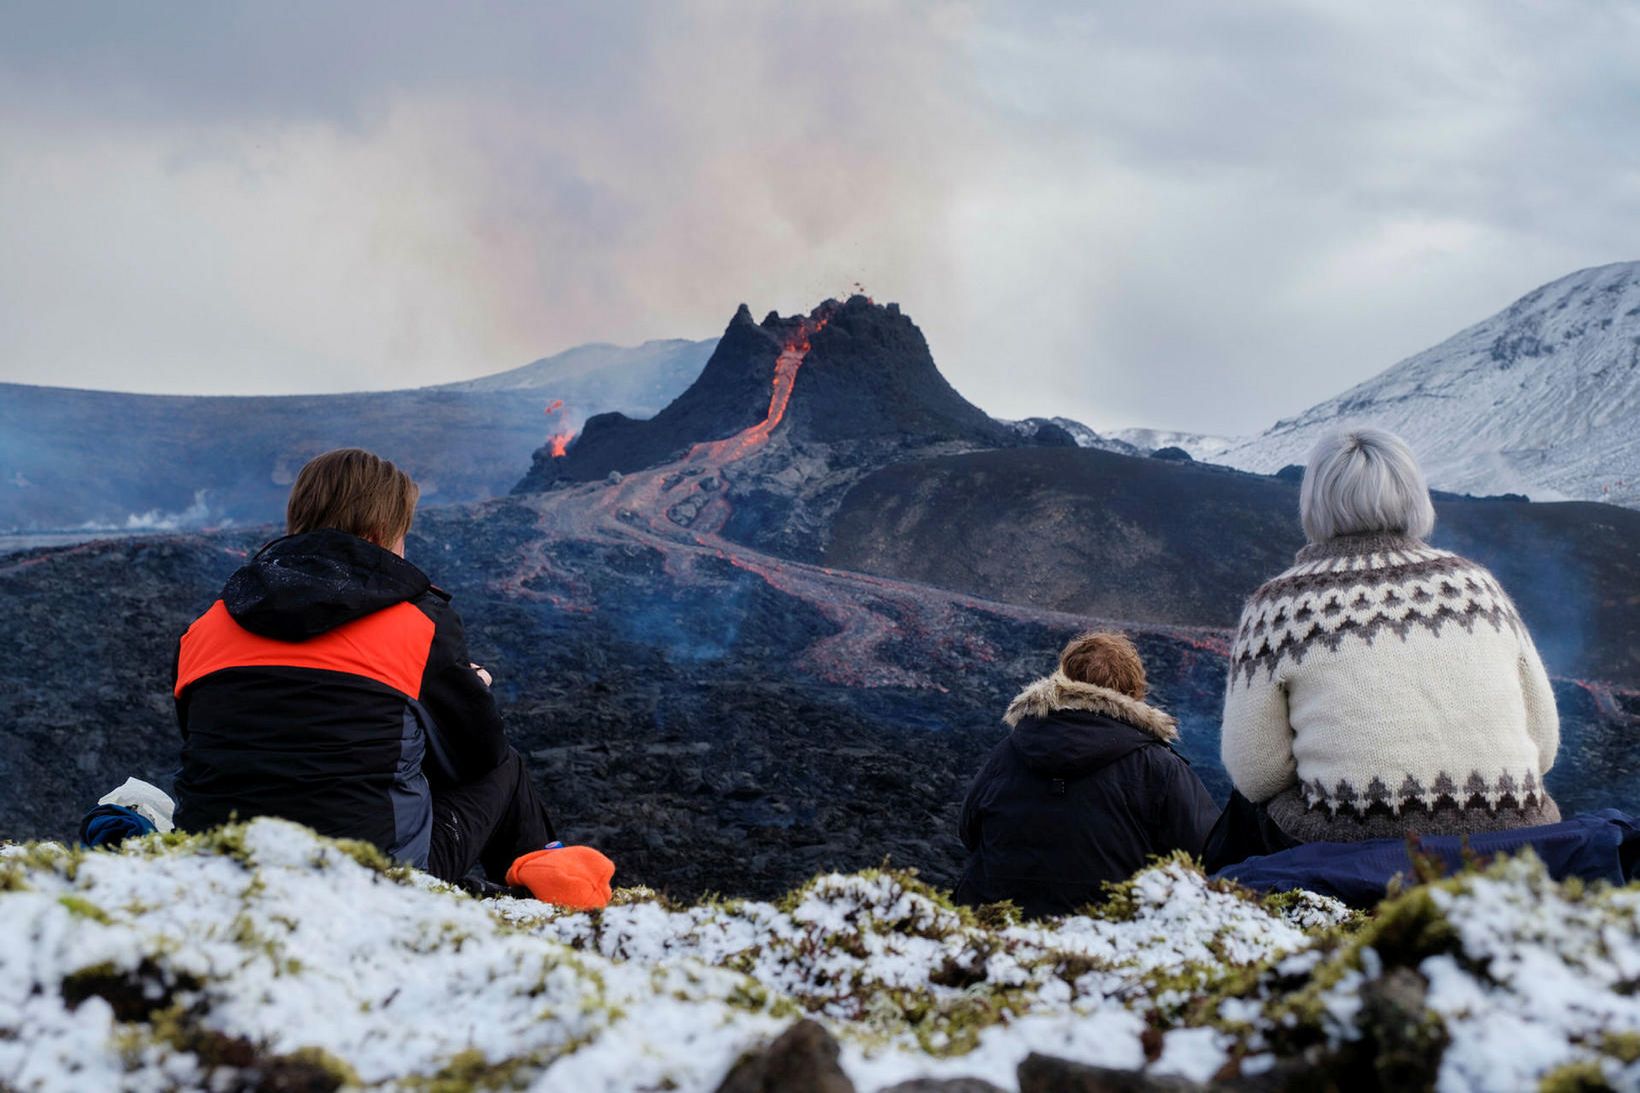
(1395, 589)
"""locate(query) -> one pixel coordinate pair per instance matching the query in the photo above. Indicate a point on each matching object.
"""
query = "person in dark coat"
(331, 685)
(1084, 790)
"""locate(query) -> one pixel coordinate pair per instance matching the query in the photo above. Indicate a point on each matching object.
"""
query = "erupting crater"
(848, 378)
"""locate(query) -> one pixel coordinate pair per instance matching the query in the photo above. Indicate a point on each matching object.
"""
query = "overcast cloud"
(1188, 215)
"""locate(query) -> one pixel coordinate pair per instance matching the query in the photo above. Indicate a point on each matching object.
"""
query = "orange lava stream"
(680, 509)
(791, 358)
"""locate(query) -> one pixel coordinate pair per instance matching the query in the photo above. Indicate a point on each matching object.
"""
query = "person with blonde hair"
(1084, 790)
(1380, 686)
(330, 685)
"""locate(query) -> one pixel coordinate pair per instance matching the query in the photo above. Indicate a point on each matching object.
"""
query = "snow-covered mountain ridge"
(1542, 398)
(1202, 447)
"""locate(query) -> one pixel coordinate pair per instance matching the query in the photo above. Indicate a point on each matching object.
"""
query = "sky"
(1190, 215)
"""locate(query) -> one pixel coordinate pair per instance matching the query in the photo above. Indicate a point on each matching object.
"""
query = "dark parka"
(330, 685)
(1084, 790)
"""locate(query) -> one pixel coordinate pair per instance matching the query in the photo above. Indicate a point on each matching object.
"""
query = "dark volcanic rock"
(1046, 1074)
(866, 376)
(1049, 435)
(1407, 1041)
(803, 1059)
(1074, 530)
(1184, 544)
(869, 375)
(676, 724)
(731, 394)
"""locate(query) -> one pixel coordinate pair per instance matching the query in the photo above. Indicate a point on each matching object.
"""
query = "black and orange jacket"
(330, 685)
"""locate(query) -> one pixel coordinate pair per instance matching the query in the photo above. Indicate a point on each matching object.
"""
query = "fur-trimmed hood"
(1057, 693)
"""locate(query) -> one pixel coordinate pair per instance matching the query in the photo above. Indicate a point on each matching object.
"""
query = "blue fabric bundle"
(1602, 845)
(106, 826)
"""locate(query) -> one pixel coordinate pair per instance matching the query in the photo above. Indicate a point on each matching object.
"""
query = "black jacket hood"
(1064, 728)
(1073, 743)
(304, 585)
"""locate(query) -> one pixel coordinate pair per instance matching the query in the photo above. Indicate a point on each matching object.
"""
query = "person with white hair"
(1381, 686)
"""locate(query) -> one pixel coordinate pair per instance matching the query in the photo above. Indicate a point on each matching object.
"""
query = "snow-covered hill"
(1082, 434)
(1543, 399)
(101, 461)
(263, 957)
(1206, 449)
(650, 374)
(1203, 448)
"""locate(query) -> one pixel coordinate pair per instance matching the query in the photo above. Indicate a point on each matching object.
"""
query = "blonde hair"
(355, 491)
(1105, 659)
(1364, 481)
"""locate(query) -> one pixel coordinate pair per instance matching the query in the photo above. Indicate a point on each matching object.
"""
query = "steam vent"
(847, 371)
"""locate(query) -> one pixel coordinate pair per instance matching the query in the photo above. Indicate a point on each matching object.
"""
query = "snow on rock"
(1541, 399)
(1084, 436)
(191, 962)
(1202, 447)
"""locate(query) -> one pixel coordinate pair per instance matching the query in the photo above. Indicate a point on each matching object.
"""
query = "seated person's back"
(1084, 790)
(301, 693)
(1380, 686)
(331, 685)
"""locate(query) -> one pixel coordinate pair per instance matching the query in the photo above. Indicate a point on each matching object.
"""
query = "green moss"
(310, 1069)
(371, 857)
(1622, 1046)
(1404, 931)
(1283, 904)
(227, 841)
(47, 857)
(996, 916)
(470, 1070)
(1580, 1077)
(626, 897)
(1073, 966)
(949, 1025)
(1119, 900)
(754, 997)
(84, 908)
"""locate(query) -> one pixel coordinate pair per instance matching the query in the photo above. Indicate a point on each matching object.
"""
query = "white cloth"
(146, 800)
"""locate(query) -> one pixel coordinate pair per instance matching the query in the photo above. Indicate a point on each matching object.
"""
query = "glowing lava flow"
(786, 365)
(679, 510)
(792, 354)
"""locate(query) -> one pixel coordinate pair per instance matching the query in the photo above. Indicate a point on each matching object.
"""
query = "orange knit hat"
(569, 876)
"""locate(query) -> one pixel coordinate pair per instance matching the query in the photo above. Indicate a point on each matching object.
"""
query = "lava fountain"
(558, 443)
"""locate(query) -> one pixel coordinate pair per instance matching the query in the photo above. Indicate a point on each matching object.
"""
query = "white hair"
(1364, 481)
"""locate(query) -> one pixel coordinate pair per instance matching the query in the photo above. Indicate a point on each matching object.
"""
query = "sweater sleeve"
(1256, 741)
(1542, 719)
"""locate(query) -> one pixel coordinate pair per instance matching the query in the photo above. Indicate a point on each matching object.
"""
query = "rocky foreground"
(266, 958)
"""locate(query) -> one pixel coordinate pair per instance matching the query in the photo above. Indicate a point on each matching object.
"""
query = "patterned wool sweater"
(1379, 676)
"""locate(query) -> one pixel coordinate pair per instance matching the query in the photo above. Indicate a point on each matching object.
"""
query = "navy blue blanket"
(1602, 845)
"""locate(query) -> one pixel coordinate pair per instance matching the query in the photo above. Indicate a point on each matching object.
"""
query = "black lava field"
(706, 680)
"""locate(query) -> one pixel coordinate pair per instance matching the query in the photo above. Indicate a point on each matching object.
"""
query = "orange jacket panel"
(389, 646)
